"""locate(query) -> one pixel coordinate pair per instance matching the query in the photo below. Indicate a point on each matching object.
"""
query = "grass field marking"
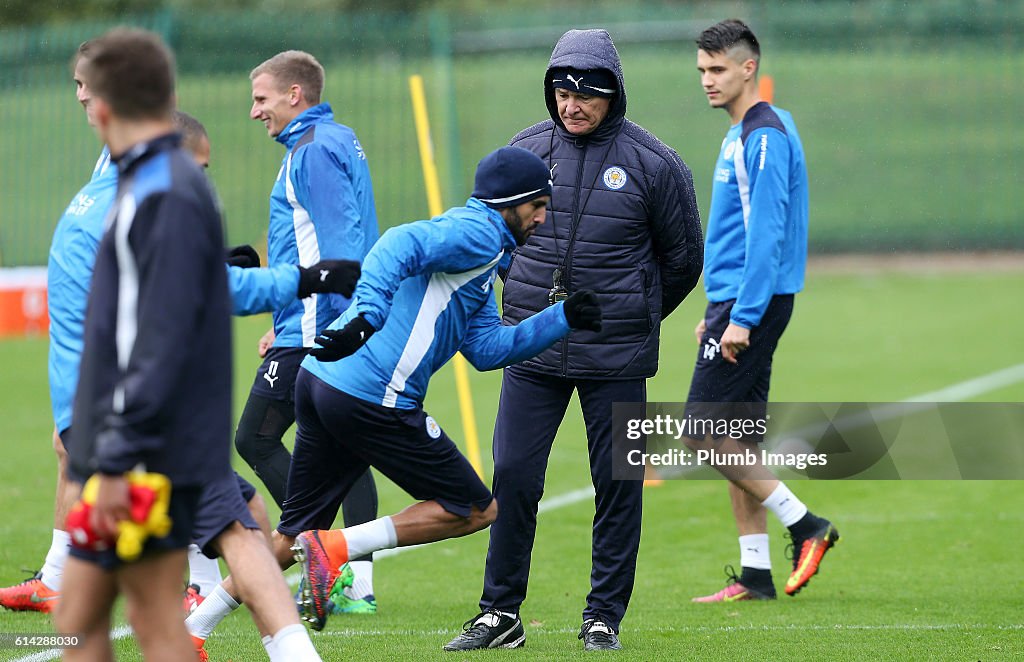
(954, 393)
(698, 629)
(958, 392)
(551, 503)
(974, 387)
(123, 631)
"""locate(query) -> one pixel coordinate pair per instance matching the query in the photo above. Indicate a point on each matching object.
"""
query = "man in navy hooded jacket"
(624, 223)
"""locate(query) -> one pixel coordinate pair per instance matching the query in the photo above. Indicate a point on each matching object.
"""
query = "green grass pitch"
(925, 570)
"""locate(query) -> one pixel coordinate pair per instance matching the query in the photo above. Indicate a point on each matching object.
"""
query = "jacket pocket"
(645, 293)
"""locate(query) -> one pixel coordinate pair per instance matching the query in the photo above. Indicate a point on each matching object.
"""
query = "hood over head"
(587, 51)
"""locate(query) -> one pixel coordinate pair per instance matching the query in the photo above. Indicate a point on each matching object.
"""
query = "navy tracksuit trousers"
(530, 410)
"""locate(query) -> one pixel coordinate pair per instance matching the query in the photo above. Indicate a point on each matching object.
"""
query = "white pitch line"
(700, 629)
(954, 393)
(974, 387)
(551, 503)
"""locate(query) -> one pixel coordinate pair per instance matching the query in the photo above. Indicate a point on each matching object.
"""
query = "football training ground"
(925, 570)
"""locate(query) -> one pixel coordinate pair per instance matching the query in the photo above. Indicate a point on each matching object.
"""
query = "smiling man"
(623, 222)
(321, 207)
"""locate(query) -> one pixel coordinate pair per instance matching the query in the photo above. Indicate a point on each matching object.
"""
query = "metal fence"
(908, 113)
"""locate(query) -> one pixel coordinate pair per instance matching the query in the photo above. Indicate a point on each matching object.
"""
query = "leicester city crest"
(615, 178)
(433, 429)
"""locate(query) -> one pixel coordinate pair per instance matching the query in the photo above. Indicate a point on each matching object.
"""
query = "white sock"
(202, 570)
(292, 644)
(215, 608)
(785, 505)
(367, 538)
(53, 567)
(268, 644)
(754, 552)
(363, 584)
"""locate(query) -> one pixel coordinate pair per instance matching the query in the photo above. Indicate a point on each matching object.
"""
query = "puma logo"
(575, 81)
(271, 374)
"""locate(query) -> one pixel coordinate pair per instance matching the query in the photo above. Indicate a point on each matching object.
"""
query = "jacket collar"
(141, 151)
(508, 241)
(297, 127)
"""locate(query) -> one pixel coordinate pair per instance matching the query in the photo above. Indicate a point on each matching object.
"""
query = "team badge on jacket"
(615, 178)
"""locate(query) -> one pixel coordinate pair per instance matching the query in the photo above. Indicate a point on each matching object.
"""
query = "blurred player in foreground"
(155, 382)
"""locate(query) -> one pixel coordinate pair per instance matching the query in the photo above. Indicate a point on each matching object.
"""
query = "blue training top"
(321, 207)
(757, 228)
(68, 275)
(428, 287)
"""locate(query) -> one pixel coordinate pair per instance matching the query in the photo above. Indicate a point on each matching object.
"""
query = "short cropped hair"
(81, 53)
(133, 71)
(294, 68)
(192, 130)
(728, 34)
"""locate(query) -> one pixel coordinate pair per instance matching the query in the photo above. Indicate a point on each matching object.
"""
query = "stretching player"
(425, 293)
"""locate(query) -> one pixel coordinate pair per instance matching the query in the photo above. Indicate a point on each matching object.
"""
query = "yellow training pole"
(419, 111)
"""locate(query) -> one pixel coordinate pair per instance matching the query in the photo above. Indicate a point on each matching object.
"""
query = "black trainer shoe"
(489, 629)
(597, 636)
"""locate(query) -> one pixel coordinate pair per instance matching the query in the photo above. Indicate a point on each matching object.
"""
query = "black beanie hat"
(510, 176)
(593, 82)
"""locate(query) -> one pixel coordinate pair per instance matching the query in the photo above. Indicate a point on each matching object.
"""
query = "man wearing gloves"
(623, 223)
(425, 293)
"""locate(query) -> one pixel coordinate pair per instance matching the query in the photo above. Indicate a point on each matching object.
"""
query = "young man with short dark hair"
(754, 265)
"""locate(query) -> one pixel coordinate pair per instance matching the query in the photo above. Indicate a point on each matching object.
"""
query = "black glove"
(337, 276)
(582, 311)
(338, 343)
(244, 256)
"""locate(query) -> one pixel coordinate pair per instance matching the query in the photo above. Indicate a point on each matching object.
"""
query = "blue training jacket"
(155, 378)
(321, 207)
(68, 275)
(428, 287)
(262, 290)
(757, 227)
